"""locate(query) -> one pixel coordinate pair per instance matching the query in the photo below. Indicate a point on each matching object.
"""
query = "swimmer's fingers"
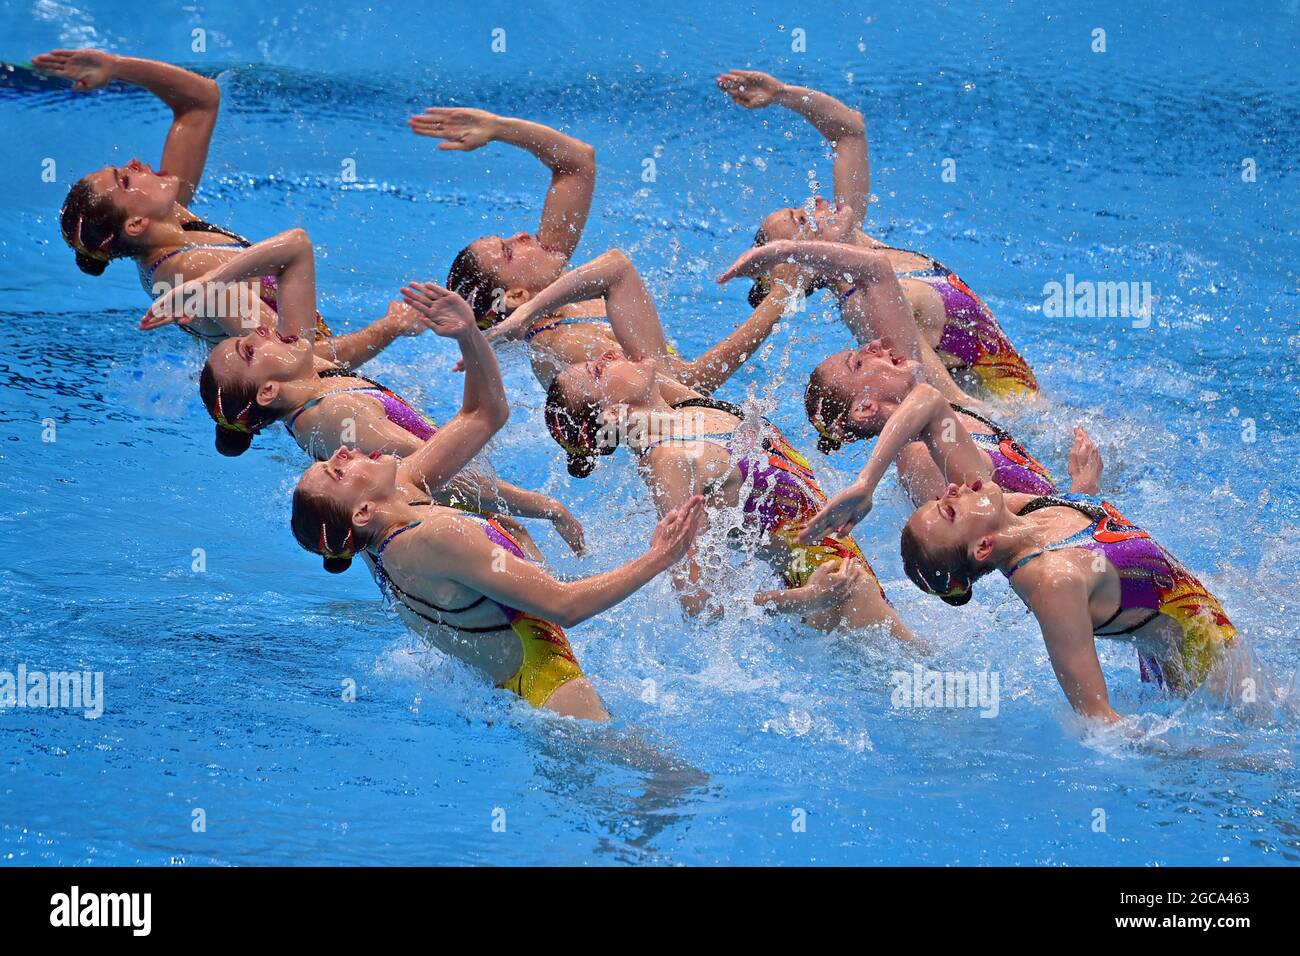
(745, 265)
(750, 88)
(678, 528)
(169, 307)
(448, 314)
(153, 320)
(88, 69)
(460, 129)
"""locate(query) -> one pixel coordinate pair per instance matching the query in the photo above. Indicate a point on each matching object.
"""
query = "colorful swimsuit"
(1014, 469)
(396, 408)
(268, 283)
(783, 492)
(548, 661)
(1149, 577)
(971, 333)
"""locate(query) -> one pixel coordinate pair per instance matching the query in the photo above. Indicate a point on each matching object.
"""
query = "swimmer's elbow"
(584, 158)
(616, 258)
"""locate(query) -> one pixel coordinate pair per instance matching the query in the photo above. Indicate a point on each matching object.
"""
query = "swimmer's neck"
(391, 514)
(164, 235)
(1019, 537)
(294, 394)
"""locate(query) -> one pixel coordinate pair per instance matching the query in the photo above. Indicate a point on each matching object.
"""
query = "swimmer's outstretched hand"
(759, 261)
(447, 313)
(1085, 464)
(513, 327)
(833, 583)
(407, 318)
(677, 529)
(750, 88)
(840, 514)
(87, 69)
(460, 128)
(181, 304)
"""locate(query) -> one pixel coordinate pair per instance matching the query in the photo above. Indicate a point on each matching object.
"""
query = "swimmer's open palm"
(513, 327)
(839, 516)
(171, 306)
(677, 529)
(459, 128)
(87, 69)
(1085, 464)
(756, 262)
(750, 88)
(447, 313)
(833, 583)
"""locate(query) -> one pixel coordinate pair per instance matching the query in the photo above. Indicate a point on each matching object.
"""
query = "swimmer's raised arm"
(571, 161)
(926, 415)
(708, 372)
(840, 124)
(483, 409)
(877, 310)
(194, 101)
(612, 277)
(474, 560)
(287, 255)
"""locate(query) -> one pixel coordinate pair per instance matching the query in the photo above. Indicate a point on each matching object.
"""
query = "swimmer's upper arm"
(195, 264)
(1057, 591)
(455, 547)
(568, 203)
(672, 483)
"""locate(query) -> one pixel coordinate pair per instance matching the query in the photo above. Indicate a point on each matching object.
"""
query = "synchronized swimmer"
(931, 373)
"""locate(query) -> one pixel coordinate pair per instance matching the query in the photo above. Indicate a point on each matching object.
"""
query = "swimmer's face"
(816, 219)
(960, 518)
(260, 359)
(879, 377)
(518, 262)
(609, 381)
(136, 190)
(351, 479)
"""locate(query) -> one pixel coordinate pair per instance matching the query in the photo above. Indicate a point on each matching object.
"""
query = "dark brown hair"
(91, 225)
(763, 284)
(234, 407)
(577, 431)
(474, 284)
(948, 574)
(827, 408)
(323, 526)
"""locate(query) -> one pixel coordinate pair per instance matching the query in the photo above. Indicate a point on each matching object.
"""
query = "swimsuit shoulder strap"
(202, 225)
(715, 438)
(998, 430)
(1079, 503)
(716, 404)
(313, 402)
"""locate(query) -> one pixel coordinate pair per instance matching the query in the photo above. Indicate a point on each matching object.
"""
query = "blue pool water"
(223, 689)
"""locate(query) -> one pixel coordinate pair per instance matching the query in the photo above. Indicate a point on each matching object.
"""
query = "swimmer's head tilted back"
(851, 394)
(242, 380)
(107, 213)
(496, 275)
